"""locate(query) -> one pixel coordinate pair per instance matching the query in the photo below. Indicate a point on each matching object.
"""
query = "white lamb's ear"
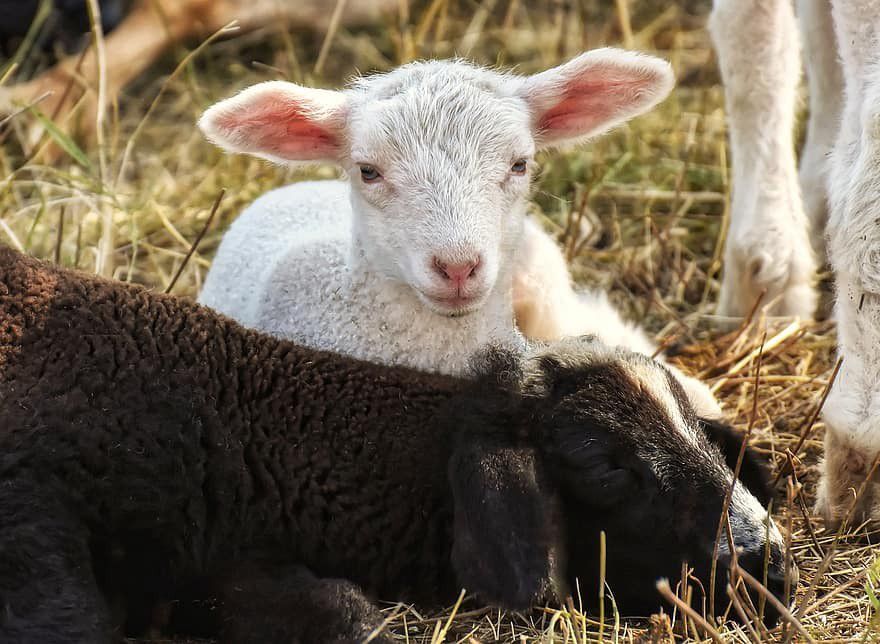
(281, 122)
(593, 93)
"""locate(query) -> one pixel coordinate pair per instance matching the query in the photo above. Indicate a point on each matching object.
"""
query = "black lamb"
(153, 450)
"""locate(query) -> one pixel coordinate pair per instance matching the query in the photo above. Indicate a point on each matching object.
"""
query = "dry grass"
(641, 211)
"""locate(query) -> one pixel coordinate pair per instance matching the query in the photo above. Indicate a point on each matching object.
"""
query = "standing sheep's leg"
(825, 83)
(768, 246)
(852, 411)
(48, 591)
(275, 603)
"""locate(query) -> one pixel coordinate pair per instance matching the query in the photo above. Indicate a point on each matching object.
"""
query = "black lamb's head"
(618, 449)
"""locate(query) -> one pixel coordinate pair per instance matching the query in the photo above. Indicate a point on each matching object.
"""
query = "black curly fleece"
(170, 441)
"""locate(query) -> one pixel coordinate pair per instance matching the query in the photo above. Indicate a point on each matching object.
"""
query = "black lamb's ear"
(588, 468)
(506, 535)
(753, 473)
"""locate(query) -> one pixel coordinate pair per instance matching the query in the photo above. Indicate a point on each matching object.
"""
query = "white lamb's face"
(440, 170)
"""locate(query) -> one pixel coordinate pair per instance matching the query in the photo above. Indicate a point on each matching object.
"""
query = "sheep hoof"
(758, 282)
(842, 494)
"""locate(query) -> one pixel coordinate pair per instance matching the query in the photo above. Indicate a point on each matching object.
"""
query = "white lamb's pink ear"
(279, 121)
(593, 93)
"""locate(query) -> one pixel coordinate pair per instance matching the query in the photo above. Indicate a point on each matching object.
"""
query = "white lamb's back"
(263, 234)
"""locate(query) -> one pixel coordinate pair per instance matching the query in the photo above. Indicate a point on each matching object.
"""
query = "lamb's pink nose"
(458, 273)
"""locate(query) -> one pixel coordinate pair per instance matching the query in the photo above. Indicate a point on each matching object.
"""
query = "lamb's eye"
(519, 166)
(369, 174)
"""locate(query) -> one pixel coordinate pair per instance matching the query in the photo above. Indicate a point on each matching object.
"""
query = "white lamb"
(413, 261)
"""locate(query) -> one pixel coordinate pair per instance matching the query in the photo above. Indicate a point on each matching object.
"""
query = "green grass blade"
(64, 141)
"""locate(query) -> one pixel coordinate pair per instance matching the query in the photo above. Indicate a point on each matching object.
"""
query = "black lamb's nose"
(776, 584)
(772, 575)
(756, 564)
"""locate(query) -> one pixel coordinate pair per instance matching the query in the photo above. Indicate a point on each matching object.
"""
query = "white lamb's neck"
(445, 343)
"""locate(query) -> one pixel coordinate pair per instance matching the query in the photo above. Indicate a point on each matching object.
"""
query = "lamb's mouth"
(455, 305)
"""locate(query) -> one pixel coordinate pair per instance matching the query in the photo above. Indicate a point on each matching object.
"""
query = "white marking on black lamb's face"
(748, 522)
(635, 461)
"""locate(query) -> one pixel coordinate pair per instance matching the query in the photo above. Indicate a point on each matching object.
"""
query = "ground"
(641, 212)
